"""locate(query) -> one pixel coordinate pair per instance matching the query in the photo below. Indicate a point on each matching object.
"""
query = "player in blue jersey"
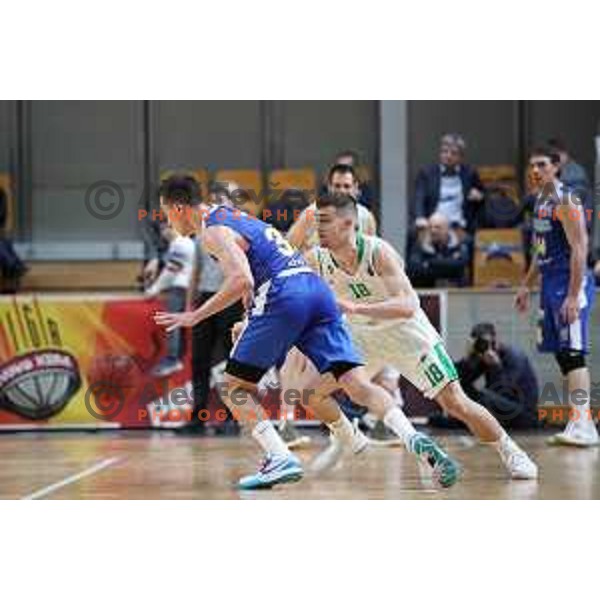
(560, 248)
(288, 305)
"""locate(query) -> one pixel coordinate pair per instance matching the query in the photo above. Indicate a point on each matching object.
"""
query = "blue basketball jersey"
(550, 243)
(269, 253)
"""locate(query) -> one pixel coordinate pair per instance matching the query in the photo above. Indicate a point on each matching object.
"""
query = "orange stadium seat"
(499, 259)
(501, 177)
(202, 178)
(282, 180)
(249, 180)
(491, 173)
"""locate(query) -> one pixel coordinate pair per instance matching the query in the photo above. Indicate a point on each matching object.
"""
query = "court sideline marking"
(49, 489)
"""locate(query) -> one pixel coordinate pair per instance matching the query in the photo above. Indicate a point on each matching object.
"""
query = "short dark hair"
(338, 201)
(547, 151)
(557, 144)
(343, 170)
(181, 189)
(483, 329)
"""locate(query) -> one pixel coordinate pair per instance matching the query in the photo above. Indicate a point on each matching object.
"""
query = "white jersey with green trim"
(365, 286)
(412, 345)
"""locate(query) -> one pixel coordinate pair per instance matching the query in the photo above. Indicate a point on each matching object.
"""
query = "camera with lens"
(481, 345)
(484, 338)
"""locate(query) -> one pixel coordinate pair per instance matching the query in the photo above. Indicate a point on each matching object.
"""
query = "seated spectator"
(366, 195)
(439, 258)
(510, 391)
(12, 267)
(450, 187)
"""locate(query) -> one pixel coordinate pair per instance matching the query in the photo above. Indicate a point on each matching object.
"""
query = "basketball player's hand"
(236, 330)
(347, 307)
(171, 321)
(522, 299)
(151, 271)
(569, 311)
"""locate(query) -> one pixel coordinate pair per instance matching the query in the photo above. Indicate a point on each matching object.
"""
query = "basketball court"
(161, 465)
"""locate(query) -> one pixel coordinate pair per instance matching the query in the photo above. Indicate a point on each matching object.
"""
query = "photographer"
(510, 390)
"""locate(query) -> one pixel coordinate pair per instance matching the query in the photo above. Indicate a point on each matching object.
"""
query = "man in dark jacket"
(450, 187)
(438, 257)
(510, 388)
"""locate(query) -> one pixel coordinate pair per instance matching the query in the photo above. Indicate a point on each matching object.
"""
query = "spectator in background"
(510, 390)
(572, 174)
(174, 281)
(365, 195)
(450, 187)
(439, 257)
(12, 267)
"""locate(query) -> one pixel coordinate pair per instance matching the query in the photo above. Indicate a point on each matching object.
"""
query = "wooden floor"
(165, 466)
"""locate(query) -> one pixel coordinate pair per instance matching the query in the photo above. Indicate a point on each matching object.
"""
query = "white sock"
(348, 435)
(268, 438)
(396, 420)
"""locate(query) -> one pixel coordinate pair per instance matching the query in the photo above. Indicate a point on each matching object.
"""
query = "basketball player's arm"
(238, 281)
(299, 230)
(521, 300)
(370, 225)
(312, 260)
(402, 302)
(576, 233)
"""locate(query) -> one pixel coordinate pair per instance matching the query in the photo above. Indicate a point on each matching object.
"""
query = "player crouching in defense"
(368, 279)
(288, 305)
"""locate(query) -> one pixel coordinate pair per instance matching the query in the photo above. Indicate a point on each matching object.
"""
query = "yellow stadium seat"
(494, 173)
(6, 185)
(499, 259)
(502, 178)
(201, 176)
(249, 180)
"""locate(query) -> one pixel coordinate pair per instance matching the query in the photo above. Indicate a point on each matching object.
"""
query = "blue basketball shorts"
(299, 310)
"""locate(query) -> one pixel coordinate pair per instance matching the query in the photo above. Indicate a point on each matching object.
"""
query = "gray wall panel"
(73, 146)
(314, 131)
(214, 134)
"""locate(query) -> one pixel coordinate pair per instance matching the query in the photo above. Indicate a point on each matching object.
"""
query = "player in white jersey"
(341, 180)
(383, 309)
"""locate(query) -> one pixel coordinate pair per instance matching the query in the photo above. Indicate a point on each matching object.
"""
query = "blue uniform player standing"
(288, 305)
(567, 290)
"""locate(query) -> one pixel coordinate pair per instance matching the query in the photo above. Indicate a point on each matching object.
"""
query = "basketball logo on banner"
(41, 378)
